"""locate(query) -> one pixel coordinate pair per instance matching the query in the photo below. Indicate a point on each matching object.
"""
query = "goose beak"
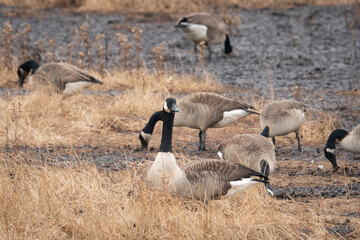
(174, 108)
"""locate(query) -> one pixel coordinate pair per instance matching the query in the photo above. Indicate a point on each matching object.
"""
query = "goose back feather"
(282, 117)
(249, 150)
(351, 143)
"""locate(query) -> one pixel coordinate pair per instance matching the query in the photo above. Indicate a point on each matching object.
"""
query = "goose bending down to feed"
(65, 77)
(203, 180)
(205, 27)
(283, 117)
(349, 141)
(201, 111)
(252, 150)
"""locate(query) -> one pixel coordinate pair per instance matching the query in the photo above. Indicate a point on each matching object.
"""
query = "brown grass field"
(81, 199)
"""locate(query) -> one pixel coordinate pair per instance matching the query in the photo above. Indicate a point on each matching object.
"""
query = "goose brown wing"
(75, 74)
(205, 185)
(217, 102)
(281, 109)
(231, 171)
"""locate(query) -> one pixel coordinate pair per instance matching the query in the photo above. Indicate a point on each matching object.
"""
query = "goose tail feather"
(94, 80)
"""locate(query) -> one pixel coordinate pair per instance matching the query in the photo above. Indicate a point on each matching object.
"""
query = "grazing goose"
(252, 150)
(201, 111)
(349, 141)
(205, 27)
(204, 179)
(283, 117)
(64, 76)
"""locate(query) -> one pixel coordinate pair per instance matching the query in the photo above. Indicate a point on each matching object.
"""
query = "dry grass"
(171, 6)
(42, 202)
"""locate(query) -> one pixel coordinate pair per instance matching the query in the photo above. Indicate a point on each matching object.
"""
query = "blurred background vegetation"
(170, 6)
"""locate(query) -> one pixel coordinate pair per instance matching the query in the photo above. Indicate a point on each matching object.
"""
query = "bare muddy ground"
(314, 48)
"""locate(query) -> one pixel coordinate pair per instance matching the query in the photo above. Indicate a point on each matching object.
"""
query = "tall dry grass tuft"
(7, 45)
(158, 57)
(86, 44)
(137, 34)
(319, 126)
(100, 51)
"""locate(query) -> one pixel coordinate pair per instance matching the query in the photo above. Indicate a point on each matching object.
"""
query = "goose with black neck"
(204, 179)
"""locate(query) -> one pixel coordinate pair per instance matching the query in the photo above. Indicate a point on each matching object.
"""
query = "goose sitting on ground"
(349, 141)
(205, 27)
(203, 180)
(64, 76)
(201, 111)
(252, 150)
(283, 117)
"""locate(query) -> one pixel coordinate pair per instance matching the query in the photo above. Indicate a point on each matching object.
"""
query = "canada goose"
(205, 27)
(204, 179)
(349, 141)
(283, 117)
(66, 77)
(252, 150)
(201, 111)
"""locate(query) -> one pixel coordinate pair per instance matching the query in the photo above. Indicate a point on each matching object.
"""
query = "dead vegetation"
(171, 6)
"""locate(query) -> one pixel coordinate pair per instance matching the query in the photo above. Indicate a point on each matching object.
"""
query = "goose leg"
(202, 137)
(195, 51)
(208, 46)
(273, 140)
(298, 140)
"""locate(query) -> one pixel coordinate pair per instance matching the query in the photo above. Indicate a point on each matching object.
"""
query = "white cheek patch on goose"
(330, 150)
(195, 32)
(220, 155)
(146, 136)
(232, 116)
(166, 108)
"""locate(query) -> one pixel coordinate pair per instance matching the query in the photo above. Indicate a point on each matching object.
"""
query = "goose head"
(170, 106)
(330, 155)
(24, 70)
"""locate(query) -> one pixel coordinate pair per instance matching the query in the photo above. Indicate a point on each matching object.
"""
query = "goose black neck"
(265, 132)
(166, 139)
(149, 128)
(338, 134)
(228, 47)
(30, 65)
